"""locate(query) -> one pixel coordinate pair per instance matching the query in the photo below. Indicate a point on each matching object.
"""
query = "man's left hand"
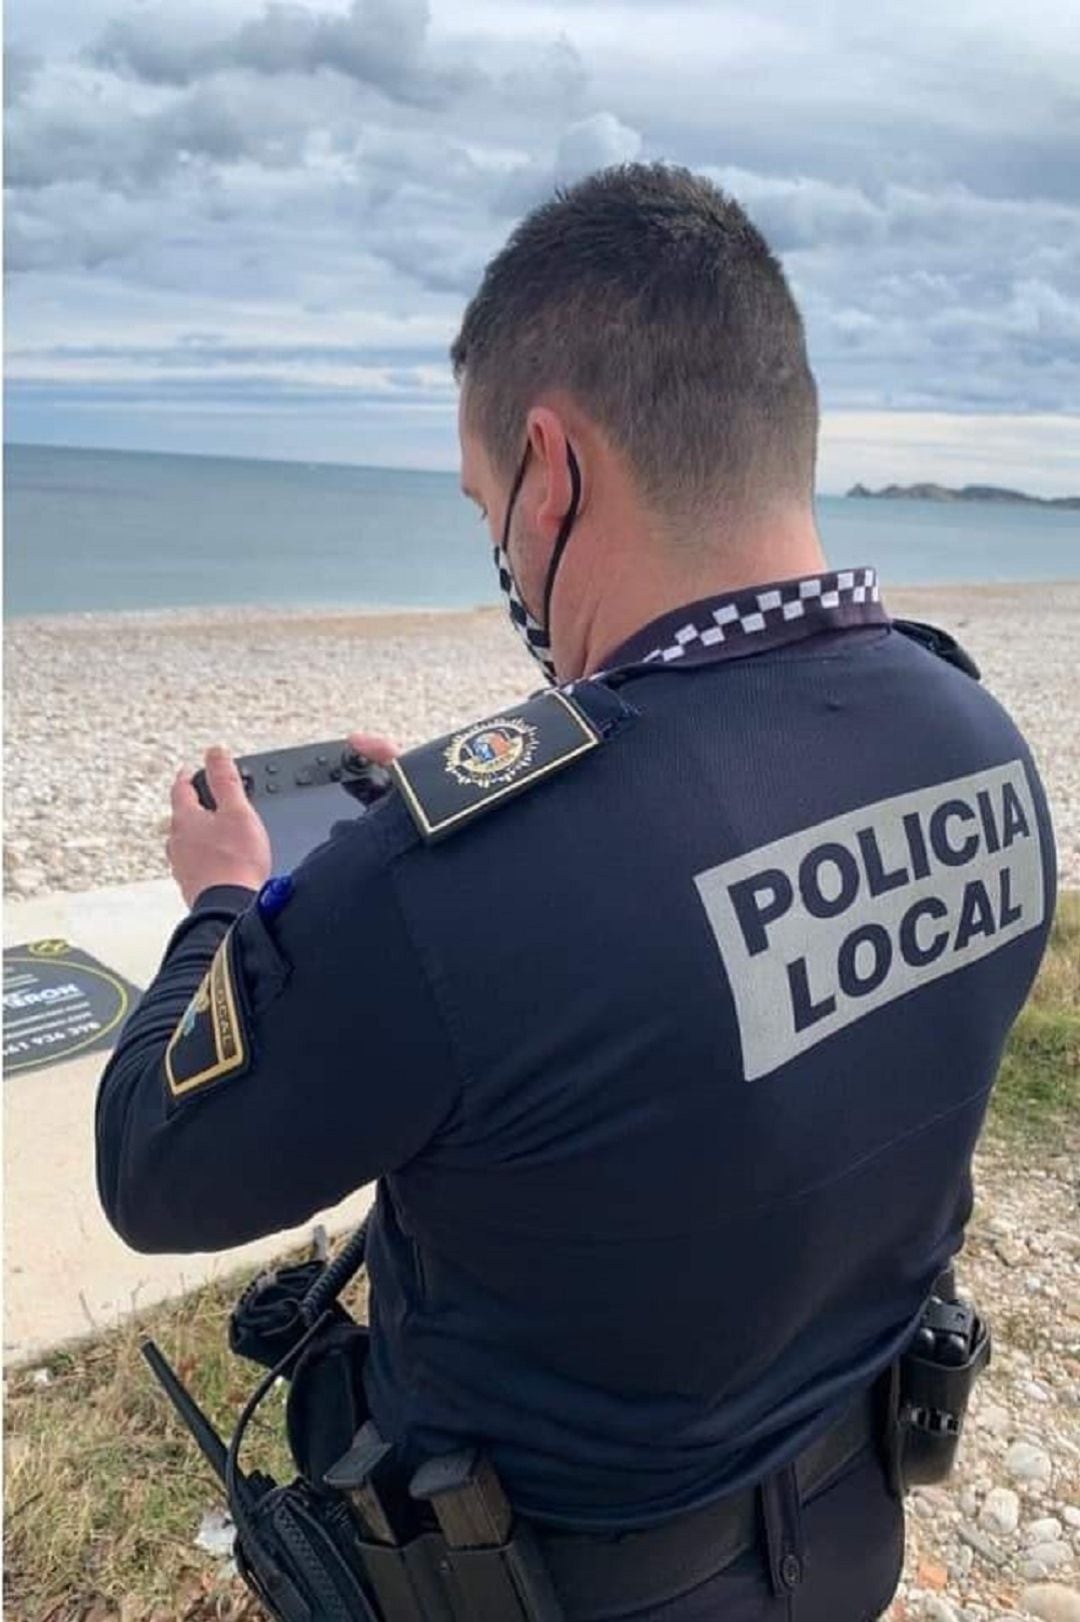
(227, 846)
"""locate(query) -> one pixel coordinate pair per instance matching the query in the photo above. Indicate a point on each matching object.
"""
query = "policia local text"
(938, 878)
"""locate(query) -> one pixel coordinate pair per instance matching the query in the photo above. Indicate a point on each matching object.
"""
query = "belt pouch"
(327, 1405)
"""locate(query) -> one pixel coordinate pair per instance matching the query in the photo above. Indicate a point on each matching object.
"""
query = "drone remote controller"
(305, 794)
(309, 765)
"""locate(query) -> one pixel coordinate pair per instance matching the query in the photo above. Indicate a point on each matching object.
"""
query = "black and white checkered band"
(530, 630)
(765, 617)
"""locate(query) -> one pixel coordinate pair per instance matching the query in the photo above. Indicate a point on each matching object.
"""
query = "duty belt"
(598, 1575)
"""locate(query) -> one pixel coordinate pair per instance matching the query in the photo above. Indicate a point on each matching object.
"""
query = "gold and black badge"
(450, 781)
(209, 1042)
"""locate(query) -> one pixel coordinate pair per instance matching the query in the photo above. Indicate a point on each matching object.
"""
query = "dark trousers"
(835, 1557)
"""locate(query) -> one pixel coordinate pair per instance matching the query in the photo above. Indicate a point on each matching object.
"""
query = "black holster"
(929, 1388)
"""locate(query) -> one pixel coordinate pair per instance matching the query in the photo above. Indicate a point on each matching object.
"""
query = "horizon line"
(402, 467)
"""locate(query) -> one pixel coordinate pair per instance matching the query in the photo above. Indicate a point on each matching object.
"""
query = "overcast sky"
(251, 228)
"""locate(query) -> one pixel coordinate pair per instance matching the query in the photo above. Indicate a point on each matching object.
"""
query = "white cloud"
(1037, 453)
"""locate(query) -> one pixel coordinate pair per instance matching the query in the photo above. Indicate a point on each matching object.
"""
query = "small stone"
(25, 880)
(1047, 1530)
(932, 1574)
(938, 1499)
(980, 1543)
(1010, 1251)
(1071, 1516)
(936, 1609)
(1033, 1571)
(1051, 1555)
(41, 1377)
(998, 1421)
(1001, 1510)
(961, 1563)
(1051, 1602)
(1025, 1462)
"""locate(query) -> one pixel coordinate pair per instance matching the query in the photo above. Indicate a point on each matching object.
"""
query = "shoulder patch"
(210, 1041)
(447, 783)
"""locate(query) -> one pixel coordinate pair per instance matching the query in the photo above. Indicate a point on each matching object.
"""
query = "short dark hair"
(649, 296)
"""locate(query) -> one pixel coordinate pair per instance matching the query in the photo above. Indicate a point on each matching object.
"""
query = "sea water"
(99, 530)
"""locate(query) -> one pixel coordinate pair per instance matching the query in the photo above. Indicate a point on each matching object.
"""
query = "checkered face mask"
(535, 634)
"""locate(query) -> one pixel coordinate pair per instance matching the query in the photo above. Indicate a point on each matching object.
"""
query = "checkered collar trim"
(756, 620)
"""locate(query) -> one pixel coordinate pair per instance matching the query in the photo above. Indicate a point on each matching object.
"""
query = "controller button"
(272, 788)
(271, 766)
(304, 777)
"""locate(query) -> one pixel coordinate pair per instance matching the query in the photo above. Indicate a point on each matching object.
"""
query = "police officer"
(665, 1005)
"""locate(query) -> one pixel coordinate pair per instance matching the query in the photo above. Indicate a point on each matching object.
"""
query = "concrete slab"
(65, 1272)
(127, 926)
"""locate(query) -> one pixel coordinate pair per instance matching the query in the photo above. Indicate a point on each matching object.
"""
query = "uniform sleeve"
(276, 1064)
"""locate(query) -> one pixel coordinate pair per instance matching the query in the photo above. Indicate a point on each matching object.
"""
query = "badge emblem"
(493, 753)
(199, 1004)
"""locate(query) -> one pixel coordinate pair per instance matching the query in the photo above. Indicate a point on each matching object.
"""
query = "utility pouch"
(326, 1404)
(932, 1384)
(427, 1580)
(448, 1549)
(303, 1561)
(268, 1320)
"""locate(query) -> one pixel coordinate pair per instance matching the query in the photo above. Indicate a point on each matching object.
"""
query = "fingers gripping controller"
(282, 771)
(304, 796)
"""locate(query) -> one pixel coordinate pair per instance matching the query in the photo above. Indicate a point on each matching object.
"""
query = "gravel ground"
(103, 708)
(1002, 1538)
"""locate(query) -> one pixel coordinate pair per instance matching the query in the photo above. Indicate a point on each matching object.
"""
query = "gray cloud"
(20, 68)
(340, 168)
(378, 43)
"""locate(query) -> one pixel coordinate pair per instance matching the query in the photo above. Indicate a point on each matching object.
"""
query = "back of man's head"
(647, 296)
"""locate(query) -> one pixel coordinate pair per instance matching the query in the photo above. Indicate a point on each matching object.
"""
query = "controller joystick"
(363, 779)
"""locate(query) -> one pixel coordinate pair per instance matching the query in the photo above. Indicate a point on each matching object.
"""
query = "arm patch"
(210, 1041)
(449, 782)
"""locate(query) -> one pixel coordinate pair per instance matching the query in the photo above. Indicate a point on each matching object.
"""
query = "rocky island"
(969, 492)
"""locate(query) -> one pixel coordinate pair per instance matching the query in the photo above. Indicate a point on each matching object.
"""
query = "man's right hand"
(369, 744)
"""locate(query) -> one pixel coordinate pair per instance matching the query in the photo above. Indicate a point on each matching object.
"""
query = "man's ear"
(554, 491)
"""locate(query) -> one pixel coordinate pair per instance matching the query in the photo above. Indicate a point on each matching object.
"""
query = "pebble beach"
(102, 709)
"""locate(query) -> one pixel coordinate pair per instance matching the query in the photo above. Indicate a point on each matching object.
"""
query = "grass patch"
(104, 1491)
(1037, 1095)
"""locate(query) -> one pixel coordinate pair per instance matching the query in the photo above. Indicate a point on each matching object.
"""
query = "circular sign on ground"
(59, 1002)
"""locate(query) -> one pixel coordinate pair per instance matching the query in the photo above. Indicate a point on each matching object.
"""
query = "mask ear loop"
(564, 534)
(515, 491)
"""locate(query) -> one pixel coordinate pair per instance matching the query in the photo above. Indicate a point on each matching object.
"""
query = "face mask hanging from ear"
(536, 634)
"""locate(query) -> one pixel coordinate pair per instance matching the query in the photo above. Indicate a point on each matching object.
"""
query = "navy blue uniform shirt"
(669, 1068)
